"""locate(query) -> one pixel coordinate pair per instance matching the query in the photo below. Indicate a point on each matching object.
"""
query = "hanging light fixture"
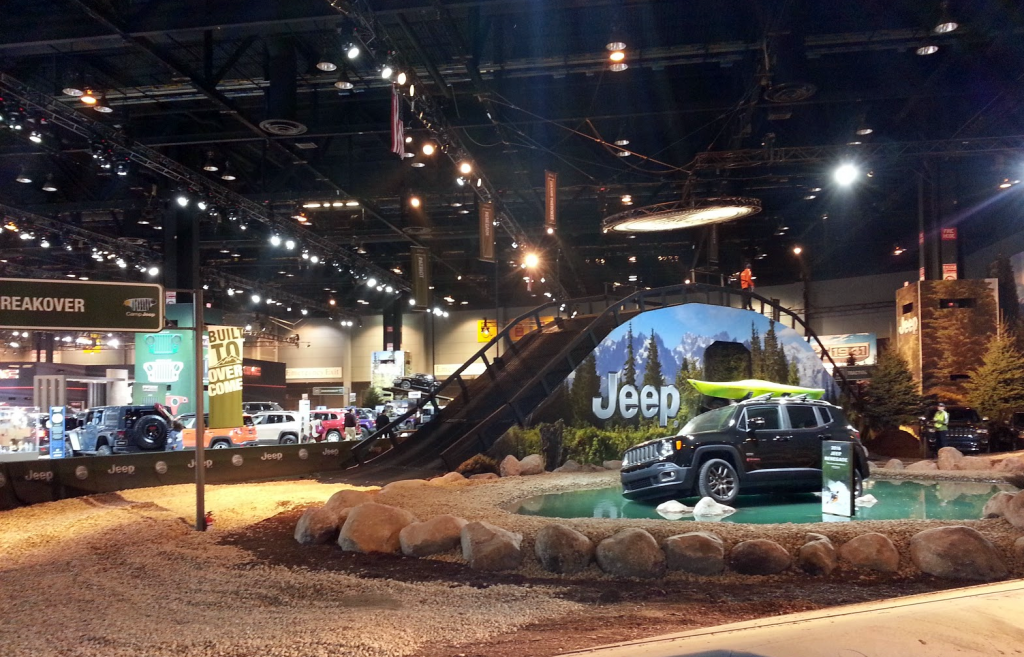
(211, 163)
(73, 87)
(927, 49)
(428, 148)
(351, 50)
(326, 63)
(402, 78)
(23, 177)
(88, 97)
(343, 82)
(946, 23)
(101, 105)
(48, 184)
(386, 72)
(226, 174)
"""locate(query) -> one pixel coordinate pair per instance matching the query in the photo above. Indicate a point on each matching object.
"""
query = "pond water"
(933, 500)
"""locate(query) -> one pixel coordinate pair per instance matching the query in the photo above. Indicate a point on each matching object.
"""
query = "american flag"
(397, 129)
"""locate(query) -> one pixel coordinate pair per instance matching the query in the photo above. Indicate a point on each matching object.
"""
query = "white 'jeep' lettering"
(38, 476)
(121, 469)
(650, 401)
(272, 456)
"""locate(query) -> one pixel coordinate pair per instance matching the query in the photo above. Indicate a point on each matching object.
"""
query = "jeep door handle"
(822, 436)
(781, 439)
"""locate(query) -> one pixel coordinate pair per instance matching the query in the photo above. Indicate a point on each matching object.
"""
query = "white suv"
(277, 427)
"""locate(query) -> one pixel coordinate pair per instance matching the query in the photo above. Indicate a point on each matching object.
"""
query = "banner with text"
(421, 276)
(225, 376)
(72, 305)
(487, 232)
(550, 201)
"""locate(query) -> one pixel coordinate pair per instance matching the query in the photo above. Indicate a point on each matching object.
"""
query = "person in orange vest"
(747, 285)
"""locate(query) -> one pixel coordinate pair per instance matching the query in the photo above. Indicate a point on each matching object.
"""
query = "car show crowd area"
(125, 574)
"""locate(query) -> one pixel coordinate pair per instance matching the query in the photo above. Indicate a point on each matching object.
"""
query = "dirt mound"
(895, 443)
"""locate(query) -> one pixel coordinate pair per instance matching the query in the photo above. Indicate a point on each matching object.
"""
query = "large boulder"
(956, 553)
(759, 557)
(317, 526)
(996, 505)
(509, 467)
(532, 464)
(817, 556)
(1018, 548)
(974, 463)
(631, 553)
(485, 476)
(1011, 464)
(439, 534)
(1013, 511)
(612, 465)
(871, 552)
(346, 499)
(922, 466)
(568, 466)
(374, 527)
(893, 464)
(948, 458)
(709, 508)
(700, 553)
(487, 547)
(449, 478)
(403, 485)
(561, 549)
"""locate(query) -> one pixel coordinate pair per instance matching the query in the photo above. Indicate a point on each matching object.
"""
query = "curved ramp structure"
(524, 376)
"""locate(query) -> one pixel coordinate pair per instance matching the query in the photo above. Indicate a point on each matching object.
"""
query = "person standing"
(381, 422)
(747, 286)
(351, 424)
(940, 423)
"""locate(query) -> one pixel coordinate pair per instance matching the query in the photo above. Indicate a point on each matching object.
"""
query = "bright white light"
(353, 52)
(389, 289)
(305, 312)
(465, 168)
(402, 78)
(153, 271)
(428, 148)
(846, 174)
(231, 291)
(531, 260)
(201, 205)
(182, 200)
(15, 345)
(275, 240)
(255, 298)
(314, 259)
(947, 27)
(371, 282)
(797, 250)
(289, 244)
(386, 72)
(114, 342)
(929, 49)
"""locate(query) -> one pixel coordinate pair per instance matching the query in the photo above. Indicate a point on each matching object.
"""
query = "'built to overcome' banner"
(225, 376)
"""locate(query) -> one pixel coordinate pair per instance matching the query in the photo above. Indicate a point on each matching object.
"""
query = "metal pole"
(197, 327)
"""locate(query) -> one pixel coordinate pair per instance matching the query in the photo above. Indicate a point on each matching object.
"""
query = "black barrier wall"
(47, 480)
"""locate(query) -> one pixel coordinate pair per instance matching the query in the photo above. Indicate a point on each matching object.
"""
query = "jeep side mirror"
(984, 419)
(755, 423)
(79, 423)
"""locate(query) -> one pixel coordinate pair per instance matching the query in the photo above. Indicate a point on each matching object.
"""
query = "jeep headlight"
(665, 448)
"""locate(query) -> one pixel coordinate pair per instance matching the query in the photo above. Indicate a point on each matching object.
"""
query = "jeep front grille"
(642, 454)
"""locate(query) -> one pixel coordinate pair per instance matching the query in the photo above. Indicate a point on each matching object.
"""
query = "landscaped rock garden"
(455, 518)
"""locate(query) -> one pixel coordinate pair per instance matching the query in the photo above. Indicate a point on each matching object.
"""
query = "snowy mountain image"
(687, 331)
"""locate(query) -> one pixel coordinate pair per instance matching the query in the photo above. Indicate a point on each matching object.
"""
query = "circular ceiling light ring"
(679, 215)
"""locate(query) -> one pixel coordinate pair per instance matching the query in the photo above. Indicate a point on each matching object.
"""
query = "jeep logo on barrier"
(237, 459)
(303, 453)
(3, 480)
(332, 452)
(650, 401)
(39, 476)
(272, 456)
(907, 325)
(121, 469)
(207, 464)
(82, 473)
(160, 467)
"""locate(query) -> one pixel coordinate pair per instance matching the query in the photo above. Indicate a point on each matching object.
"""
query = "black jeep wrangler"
(116, 429)
(760, 445)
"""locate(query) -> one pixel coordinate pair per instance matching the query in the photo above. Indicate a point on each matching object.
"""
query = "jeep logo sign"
(272, 456)
(207, 464)
(650, 401)
(39, 476)
(3, 480)
(121, 469)
(327, 452)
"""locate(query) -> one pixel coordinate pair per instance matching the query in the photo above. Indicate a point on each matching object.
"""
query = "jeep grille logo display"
(160, 467)
(303, 454)
(82, 473)
(139, 305)
(237, 460)
(650, 401)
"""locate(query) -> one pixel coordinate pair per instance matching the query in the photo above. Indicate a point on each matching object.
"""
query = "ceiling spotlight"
(73, 89)
(35, 136)
(797, 250)
(418, 165)
(289, 244)
(1006, 184)
(864, 130)
(465, 168)
(846, 174)
(402, 78)
(275, 240)
(101, 105)
(550, 230)
(88, 97)
(898, 250)
(352, 203)
(351, 50)
(153, 271)
(676, 215)
(412, 302)
(371, 282)
(623, 154)
(201, 205)
(428, 148)
(414, 201)
(618, 67)
(304, 311)
(387, 72)
(531, 260)
(44, 243)
(314, 259)
(389, 289)
(927, 49)
(122, 168)
(255, 298)
(622, 142)
(325, 64)
(615, 44)
(617, 56)
(460, 181)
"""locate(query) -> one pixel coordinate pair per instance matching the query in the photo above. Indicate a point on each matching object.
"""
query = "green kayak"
(754, 387)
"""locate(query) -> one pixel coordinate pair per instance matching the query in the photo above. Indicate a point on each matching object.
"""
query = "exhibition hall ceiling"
(266, 112)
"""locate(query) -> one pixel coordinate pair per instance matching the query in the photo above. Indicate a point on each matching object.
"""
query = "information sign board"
(58, 449)
(837, 494)
(44, 304)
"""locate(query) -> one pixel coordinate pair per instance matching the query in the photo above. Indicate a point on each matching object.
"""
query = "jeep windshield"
(715, 420)
(963, 415)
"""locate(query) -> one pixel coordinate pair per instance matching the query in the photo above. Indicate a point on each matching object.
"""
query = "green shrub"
(593, 445)
(518, 442)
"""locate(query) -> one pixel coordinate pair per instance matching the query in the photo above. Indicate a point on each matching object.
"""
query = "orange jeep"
(218, 438)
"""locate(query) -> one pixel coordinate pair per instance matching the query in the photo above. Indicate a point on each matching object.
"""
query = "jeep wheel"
(150, 432)
(718, 480)
(104, 450)
(858, 485)
(289, 439)
(220, 444)
(364, 433)
(406, 385)
(333, 436)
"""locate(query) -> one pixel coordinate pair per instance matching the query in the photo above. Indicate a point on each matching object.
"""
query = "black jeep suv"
(756, 446)
(109, 429)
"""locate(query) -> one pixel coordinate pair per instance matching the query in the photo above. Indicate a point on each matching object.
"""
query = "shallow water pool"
(897, 499)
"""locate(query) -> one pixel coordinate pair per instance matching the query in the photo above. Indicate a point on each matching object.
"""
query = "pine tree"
(372, 398)
(652, 369)
(780, 367)
(794, 374)
(768, 357)
(996, 388)
(629, 367)
(585, 386)
(689, 397)
(756, 353)
(891, 399)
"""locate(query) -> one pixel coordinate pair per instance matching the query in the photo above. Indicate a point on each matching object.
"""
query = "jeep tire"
(104, 450)
(718, 480)
(333, 436)
(221, 444)
(289, 439)
(150, 432)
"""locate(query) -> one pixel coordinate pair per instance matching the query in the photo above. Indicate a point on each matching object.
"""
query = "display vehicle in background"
(242, 436)
(968, 431)
(760, 445)
(277, 427)
(424, 382)
(329, 425)
(260, 407)
(121, 429)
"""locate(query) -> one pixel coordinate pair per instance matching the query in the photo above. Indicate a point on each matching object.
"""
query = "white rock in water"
(866, 500)
(709, 507)
(673, 507)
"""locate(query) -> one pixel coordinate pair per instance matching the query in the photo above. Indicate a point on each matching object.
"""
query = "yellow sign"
(527, 325)
(486, 329)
